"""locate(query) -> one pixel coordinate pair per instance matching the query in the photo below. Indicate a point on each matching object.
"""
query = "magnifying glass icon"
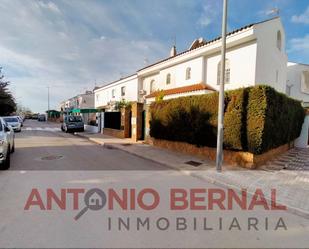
(95, 199)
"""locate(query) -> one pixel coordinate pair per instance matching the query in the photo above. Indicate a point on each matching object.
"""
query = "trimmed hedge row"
(256, 119)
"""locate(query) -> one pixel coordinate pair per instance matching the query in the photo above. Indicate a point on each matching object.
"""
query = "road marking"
(53, 129)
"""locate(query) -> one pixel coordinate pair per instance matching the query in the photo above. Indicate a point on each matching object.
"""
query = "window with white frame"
(279, 40)
(168, 79)
(123, 91)
(113, 93)
(152, 86)
(227, 72)
(188, 73)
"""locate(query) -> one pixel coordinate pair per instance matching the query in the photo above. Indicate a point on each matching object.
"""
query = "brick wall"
(239, 158)
(137, 120)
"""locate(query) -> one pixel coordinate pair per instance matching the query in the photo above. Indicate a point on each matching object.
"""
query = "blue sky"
(73, 45)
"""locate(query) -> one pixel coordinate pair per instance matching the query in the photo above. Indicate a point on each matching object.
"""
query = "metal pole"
(47, 102)
(221, 92)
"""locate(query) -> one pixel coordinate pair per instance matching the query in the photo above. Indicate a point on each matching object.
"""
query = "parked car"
(34, 116)
(42, 117)
(7, 145)
(28, 116)
(13, 122)
(20, 120)
(72, 123)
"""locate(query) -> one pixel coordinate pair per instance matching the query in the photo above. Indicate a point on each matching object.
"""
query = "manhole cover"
(109, 147)
(51, 157)
(193, 163)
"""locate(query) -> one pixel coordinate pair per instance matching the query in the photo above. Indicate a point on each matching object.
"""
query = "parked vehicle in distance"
(13, 122)
(42, 117)
(28, 116)
(20, 120)
(72, 123)
(7, 145)
(35, 116)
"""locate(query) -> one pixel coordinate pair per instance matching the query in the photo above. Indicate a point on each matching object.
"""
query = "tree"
(7, 101)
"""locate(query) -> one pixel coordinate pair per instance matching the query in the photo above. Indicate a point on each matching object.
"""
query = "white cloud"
(49, 6)
(300, 44)
(14, 59)
(72, 44)
(303, 18)
(207, 16)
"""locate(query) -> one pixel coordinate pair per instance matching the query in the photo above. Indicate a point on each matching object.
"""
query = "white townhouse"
(123, 89)
(81, 104)
(80, 101)
(255, 55)
(297, 85)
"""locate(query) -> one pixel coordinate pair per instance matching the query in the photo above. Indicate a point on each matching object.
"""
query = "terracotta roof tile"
(183, 89)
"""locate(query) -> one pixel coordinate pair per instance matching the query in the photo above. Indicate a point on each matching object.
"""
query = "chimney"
(173, 51)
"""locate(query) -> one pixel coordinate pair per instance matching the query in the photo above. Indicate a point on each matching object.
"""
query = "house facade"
(297, 85)
(255, 55)
(123, 89)
(80, 101)
(81, 104)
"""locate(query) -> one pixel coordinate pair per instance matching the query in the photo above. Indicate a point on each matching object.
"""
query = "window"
(152, 86)
(279, 40)
(188, 73)
(11, 120)
(227, 72)
(277, 76)
(113, 93)
(168, 79)
(123, 91)
(98, 97)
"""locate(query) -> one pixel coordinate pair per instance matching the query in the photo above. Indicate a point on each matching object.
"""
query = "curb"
(117, 147)
(292, 210)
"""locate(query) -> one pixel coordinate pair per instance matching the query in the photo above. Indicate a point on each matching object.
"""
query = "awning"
(84, 110)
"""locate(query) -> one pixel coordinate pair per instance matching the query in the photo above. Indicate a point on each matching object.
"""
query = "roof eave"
(246, 34)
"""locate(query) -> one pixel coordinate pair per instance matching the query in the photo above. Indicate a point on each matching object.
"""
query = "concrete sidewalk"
(292, 185)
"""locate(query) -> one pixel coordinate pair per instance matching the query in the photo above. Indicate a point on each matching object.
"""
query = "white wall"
(146, 82)
(242, 66)
(297, 91)
(269, 58)
(103, 95)
(178, 75)
(302, 140)
(252, 52)
(86, 101)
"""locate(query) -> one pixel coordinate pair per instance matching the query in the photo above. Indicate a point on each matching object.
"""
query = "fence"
(112, 120)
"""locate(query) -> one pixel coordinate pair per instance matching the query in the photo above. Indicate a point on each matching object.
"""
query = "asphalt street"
(43, 146)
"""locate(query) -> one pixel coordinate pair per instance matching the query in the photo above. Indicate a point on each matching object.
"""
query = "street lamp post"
(221, 91)
(48, 106)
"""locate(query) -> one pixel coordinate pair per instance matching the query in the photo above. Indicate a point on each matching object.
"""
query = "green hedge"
(256, 119)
